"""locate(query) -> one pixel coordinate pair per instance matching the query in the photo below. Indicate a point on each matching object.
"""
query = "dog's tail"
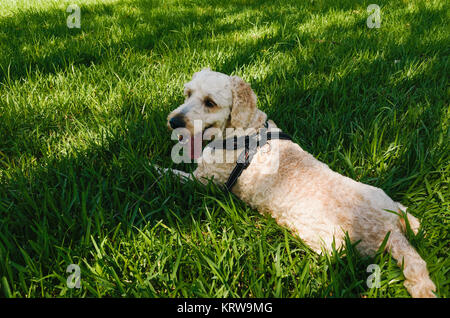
(417, 279)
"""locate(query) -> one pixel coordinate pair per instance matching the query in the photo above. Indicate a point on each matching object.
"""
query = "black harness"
(250, 144)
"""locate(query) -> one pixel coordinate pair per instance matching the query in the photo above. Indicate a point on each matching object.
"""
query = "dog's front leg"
(184, 176)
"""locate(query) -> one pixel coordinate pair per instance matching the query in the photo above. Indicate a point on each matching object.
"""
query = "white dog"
(301, 193)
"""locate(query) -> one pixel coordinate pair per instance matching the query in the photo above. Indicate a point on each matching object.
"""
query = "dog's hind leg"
(413, 221)
(417, 282)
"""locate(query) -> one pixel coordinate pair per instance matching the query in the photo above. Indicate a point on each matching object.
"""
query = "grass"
(82, 120)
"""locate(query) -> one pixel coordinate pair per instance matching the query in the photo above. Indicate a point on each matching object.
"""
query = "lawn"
(83, 120)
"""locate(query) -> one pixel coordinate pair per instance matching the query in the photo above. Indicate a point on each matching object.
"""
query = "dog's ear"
(244, 103)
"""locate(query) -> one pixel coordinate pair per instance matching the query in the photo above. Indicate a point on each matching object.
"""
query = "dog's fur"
(304, 194)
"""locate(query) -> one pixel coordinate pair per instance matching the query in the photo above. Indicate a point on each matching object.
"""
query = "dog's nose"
(177, 122)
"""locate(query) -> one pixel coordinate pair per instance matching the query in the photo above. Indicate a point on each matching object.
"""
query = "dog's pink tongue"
(196, 146)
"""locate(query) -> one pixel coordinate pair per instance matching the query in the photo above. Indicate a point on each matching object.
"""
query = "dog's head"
(214, 102)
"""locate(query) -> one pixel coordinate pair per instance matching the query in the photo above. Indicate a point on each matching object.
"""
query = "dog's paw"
(161, 171)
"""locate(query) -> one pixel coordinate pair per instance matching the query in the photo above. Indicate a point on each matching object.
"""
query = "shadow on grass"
(41, 40)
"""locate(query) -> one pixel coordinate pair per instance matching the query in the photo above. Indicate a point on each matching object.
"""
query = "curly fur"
(302, 194)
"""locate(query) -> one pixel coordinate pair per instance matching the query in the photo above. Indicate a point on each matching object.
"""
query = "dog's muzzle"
(177, 122)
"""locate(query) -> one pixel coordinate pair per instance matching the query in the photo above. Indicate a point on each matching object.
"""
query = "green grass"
(82, 120)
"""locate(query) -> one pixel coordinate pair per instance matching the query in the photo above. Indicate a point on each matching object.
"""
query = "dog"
(301, 193)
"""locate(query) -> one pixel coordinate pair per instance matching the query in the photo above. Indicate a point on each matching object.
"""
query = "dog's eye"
(188, 93)
(209, 103)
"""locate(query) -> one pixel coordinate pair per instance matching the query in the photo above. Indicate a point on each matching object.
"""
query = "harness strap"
(246, 156)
